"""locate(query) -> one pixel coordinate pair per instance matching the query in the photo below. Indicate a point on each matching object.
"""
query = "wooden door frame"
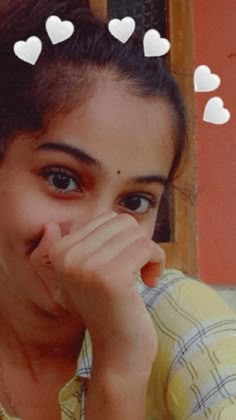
(182, 252)
(99, 7)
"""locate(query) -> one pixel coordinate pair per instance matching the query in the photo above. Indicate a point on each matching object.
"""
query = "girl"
(91, 136)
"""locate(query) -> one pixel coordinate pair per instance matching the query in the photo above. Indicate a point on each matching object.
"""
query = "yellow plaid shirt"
(194, 373)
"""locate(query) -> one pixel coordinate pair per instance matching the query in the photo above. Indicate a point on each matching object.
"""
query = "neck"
(33, 337)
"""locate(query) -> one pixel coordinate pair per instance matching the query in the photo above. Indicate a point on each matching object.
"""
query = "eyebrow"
(86, 159)
(76, 153)
(148, 179)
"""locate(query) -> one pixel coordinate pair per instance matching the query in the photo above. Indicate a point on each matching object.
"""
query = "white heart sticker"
(204, 80)
(122, 29)
(58, 30)
(29, 50)
(215, 112)
(154, 45)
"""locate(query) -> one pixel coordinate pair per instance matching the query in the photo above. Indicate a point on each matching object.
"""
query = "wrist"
(117, 396)
(131, 352)
(123, 363)
(114, 383)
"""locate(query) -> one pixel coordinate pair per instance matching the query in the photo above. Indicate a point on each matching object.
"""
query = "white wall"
(228, 294)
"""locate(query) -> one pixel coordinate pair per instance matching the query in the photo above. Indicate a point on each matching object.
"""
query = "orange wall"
(215, 46)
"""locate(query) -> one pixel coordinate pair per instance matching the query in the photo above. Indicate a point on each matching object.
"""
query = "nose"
(84, 215)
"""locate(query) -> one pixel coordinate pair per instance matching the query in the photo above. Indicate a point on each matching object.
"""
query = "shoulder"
(186, 311)
(180, 292)
(196, 357)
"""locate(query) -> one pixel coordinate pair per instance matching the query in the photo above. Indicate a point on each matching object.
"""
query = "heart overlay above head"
(122, 29)
(154, 45)
(29, 50)
(215, 112)
(204, 80)
(58, 30)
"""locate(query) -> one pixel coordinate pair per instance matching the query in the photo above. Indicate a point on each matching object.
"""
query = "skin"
(70, 247)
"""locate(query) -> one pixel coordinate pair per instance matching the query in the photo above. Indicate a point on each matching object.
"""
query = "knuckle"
(67, 264)
(91, 272)
(97, 274)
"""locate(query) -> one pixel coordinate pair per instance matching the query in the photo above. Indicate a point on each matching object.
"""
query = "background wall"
(215, 46)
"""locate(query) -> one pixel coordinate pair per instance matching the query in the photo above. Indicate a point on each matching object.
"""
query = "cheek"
(23, 215)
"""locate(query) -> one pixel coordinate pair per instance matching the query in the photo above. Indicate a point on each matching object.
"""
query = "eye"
(139, 204)
(62, 180)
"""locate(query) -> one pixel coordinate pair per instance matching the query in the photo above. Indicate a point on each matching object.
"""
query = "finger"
(107, 245)
(40, 257)
(72, 238)
(51, 234)
(158, 255)
(137, 255)
(155, 267)
(150, 274)
(129, 254)
(108, 240)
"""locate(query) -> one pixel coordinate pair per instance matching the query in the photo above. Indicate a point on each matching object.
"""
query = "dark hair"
(30, 95)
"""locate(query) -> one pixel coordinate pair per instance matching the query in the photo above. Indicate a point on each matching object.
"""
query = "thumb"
(51, 234)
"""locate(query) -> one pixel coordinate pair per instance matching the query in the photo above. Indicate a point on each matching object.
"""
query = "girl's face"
(110, 155)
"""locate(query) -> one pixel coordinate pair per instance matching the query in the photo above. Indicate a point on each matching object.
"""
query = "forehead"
(116, 126)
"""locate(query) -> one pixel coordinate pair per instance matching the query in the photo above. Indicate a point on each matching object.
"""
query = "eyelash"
(46, 172)
(152, 202)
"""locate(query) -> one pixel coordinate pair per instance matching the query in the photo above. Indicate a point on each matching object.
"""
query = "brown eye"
(61, 180)
(138, 204)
